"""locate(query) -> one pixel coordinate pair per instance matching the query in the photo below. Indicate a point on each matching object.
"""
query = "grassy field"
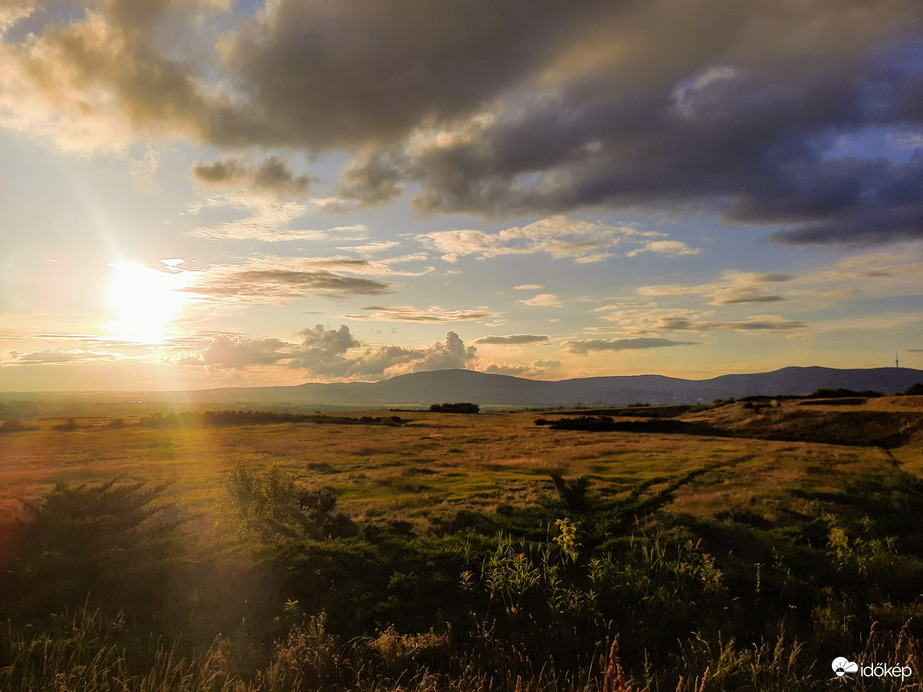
(466, 551)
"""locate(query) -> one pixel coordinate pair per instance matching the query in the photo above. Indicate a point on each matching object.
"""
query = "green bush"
(112, 544)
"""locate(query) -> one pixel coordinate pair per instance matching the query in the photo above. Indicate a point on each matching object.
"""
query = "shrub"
(69, 426)
(273, 506)
(455, 408)
(111, 543)
(840, 393)
(13, 426)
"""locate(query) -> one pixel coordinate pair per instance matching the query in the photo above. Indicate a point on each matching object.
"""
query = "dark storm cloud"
(271, 175)
(756, 159)
(341, 74)
(731, 109)
(589, 345)
(524, 106)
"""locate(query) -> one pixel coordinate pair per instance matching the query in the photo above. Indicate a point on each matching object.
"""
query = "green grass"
(430, 556)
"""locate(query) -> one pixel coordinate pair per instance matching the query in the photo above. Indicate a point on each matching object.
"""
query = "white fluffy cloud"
(331, 354)
(543, 300)
(237, 353)
(326, 353)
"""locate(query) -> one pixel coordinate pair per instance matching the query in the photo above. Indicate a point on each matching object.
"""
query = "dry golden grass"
(439, 463)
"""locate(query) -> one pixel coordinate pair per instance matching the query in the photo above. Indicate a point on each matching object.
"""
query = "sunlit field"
(434, 464)
(454, 551)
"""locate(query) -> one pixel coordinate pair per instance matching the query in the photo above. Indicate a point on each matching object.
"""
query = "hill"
(425, 388)
(504, 390)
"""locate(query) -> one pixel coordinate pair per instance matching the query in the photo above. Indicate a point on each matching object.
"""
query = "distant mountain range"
(424, 388)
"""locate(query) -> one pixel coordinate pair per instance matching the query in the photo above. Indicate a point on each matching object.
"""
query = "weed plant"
(109, 587)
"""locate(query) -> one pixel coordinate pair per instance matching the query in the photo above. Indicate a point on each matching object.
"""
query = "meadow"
(745, 551)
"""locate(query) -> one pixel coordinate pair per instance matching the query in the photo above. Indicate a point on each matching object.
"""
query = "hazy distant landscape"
(424, 388)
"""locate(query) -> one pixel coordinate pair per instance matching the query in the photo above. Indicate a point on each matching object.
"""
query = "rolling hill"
(424, 388)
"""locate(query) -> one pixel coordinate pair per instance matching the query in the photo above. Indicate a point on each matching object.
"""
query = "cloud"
(344, 76)
(732, 109)
(771, 323)
(734, 287)
(15, 11)
(276, 281)
(880, 274)
(447, 355)
(671, 248)
(434, 313)
(543, 300)
(513, 339)
(144, 172)
(653, 321)
(537, 369)
(323, 352)
(270, 175)
(327, 354)
(268, 220)
(557, 236)
(371, 267)
(586, 346)
(529, 287)
(713, 111)
(372, 248)
(372, 178)
(51, 356)
(237, 353)
(98, 80)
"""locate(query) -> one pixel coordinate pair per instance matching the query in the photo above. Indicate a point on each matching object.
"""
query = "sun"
(144, 301)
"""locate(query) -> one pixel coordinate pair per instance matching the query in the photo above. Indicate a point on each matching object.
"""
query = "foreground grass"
(454, 553)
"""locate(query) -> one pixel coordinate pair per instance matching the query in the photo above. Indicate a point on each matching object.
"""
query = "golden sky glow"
(197, 193)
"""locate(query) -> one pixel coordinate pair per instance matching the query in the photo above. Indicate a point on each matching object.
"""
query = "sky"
(207, 193)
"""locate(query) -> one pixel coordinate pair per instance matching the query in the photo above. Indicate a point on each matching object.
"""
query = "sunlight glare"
(145, 301)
